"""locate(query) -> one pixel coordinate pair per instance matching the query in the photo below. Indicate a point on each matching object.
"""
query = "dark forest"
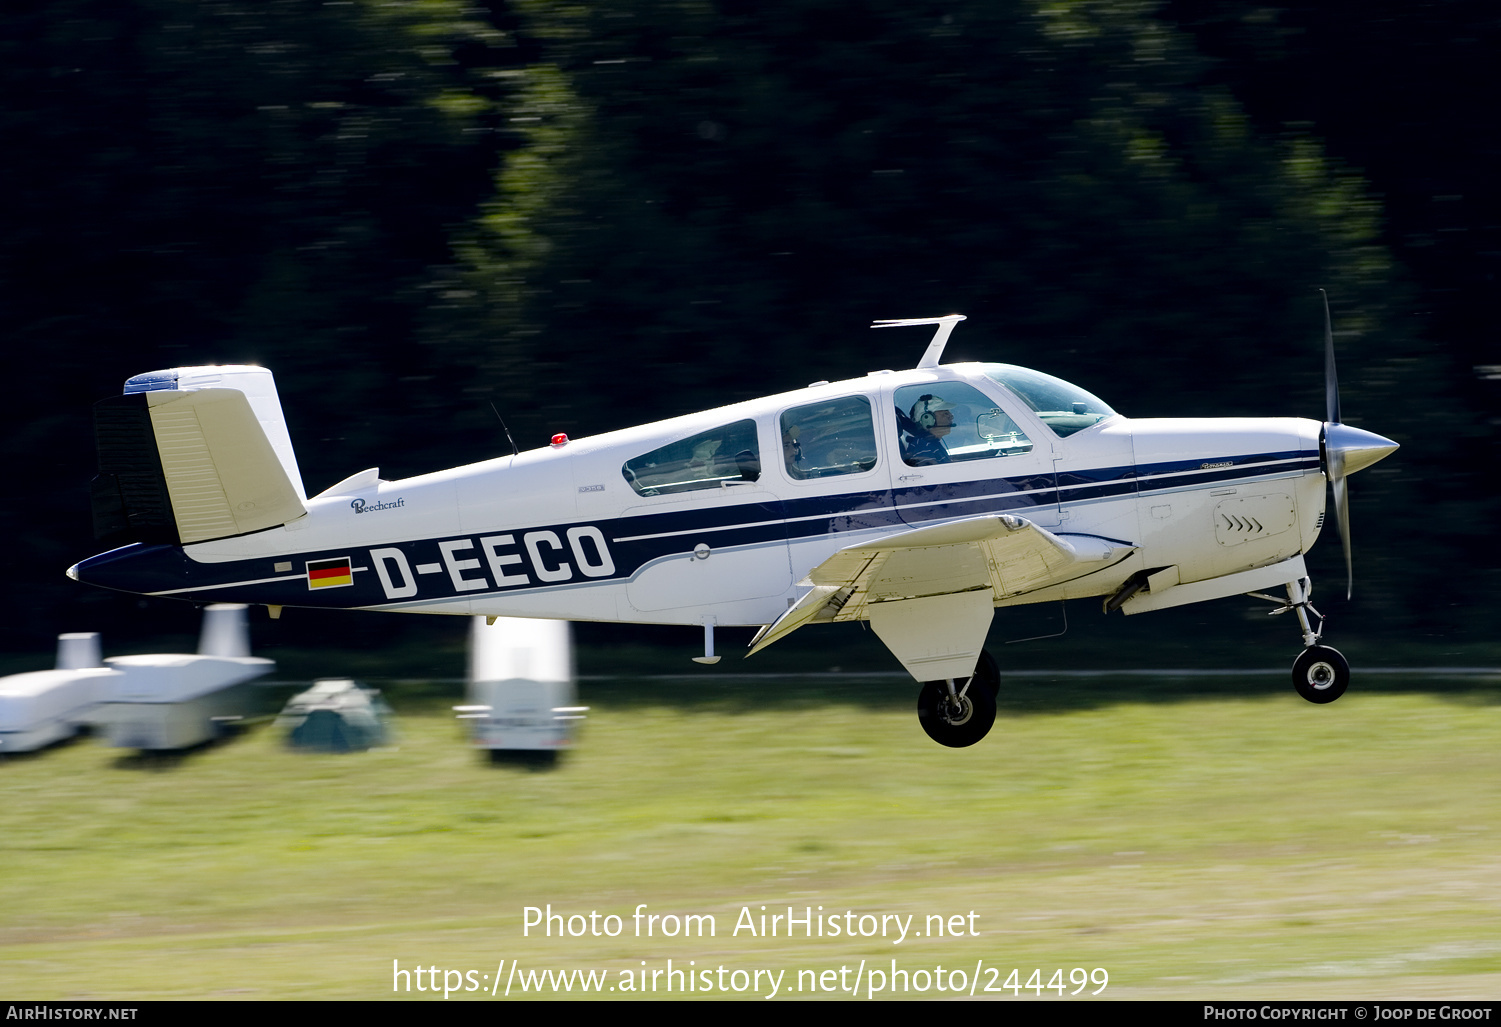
(602, 214)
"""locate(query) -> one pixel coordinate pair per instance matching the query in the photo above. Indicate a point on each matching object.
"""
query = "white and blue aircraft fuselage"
(917, 500)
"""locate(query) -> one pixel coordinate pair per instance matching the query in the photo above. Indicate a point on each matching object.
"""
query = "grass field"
(1197, 838)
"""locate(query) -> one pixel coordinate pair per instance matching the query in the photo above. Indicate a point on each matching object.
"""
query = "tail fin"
(192, 454)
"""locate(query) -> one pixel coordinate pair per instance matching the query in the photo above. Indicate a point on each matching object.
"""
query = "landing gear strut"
(959, 712)
(1320, 673)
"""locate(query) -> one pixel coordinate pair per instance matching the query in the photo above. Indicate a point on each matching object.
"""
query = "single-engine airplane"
(916, 500)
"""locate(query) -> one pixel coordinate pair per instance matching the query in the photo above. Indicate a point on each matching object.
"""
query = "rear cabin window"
(823, 440)
(718, 458)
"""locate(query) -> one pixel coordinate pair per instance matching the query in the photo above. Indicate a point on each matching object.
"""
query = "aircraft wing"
(1002, 553)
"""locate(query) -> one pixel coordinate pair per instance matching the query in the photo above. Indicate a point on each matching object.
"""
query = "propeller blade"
(1334, 454)
(1342, 517)
(1331, 379)
(1345, 449)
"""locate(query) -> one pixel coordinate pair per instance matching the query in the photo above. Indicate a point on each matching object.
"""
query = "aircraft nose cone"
(1354, 449)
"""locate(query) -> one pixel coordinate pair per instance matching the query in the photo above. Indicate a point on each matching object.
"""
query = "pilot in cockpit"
(792, 449)
(923, 430)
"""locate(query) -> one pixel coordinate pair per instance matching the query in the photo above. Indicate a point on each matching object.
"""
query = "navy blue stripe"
(1301, 462)
(1198, 463)
(651, 536)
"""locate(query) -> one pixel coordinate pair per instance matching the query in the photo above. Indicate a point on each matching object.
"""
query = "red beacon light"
(560, 439)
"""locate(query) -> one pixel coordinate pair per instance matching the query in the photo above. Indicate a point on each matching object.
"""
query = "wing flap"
(1000, 553)
(804, 610)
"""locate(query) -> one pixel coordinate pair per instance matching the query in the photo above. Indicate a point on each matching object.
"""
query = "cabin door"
(959, 452)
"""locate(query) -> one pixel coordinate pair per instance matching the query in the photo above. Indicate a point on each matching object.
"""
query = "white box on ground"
(44, 706)
(179, 677)
(176, 700)
(521, 684)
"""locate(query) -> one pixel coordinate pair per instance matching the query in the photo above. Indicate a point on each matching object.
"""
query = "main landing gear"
(959, 712)
(1320, 673)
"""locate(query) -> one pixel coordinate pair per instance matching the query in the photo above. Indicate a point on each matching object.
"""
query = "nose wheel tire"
(1321, 674)
(954, 720)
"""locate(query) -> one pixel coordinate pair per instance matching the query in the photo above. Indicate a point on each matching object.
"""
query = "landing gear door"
(961, 453)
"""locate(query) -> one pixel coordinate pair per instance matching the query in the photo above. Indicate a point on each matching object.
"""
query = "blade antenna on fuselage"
(514, 450)
(934, 352)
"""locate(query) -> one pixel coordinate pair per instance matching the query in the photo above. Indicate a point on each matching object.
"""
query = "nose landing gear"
(1320, 673)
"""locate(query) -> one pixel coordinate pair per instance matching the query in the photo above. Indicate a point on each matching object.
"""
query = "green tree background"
(604, 214)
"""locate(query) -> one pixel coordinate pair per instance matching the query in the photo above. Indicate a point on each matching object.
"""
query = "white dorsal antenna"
(934, 352)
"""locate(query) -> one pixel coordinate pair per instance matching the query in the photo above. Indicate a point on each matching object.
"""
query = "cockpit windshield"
(1062, 407)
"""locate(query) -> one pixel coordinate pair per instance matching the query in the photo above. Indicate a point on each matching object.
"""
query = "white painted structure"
(45, 706)
(78, 650)
(173, 700)
(521, 684)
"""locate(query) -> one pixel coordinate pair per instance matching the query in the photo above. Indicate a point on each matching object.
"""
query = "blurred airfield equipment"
(45, 706)
(335, 715)
(174, 701)
(918, 500)
(521, 685)
(79, 650)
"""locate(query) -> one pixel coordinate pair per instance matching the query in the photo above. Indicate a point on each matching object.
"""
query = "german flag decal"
(329, 573)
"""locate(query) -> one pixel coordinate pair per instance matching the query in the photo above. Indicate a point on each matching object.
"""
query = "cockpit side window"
(1063, 407)
(949, 422)
(822, 440)
(718, 458)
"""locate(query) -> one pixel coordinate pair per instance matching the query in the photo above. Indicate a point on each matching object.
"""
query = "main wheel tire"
(954, 721)
(1321, 674)
(987, 673)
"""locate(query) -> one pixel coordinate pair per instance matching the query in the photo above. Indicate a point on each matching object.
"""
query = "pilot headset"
(924, 411)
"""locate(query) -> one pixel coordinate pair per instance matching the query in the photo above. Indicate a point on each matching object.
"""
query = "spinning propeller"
(1344, 449)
